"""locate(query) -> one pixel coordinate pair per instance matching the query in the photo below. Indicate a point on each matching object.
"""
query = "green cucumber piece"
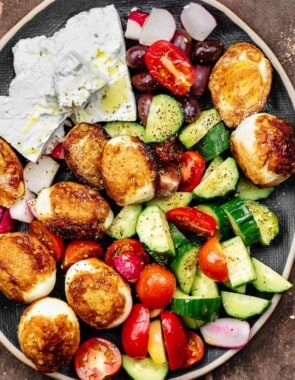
(243, 306)
(177, 199)
(122, 128)
(194, 132)
(266, 220)
(153, 230)
(239, 264)
(238, 289)
(147, 369)
(178, 237)
(164, 119)
(124, 223)
(184, 266)
(224, 230)
(192, 323)
(268, 280)
(219, 182)
(213, 165)
(215, 142)
(204, 309)
(203, 286)
(242, 220)
(247, 190)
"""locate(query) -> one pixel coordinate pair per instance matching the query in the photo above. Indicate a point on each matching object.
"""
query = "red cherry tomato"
(52, 242)
(135, 332)
(156, 286)
(78, 250)
(195, 349)
(192, 167)
(212, 261)
(97, 359)
(193, 220)
(170, 67)
(174, 337)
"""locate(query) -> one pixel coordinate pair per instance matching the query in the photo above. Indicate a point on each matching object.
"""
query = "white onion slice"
(40, 174)
(20, 210)
(197, 21)
(160, 25)
(226, 333)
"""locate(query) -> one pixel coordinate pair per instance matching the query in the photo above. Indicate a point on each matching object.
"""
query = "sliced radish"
(40, 174)
(197, 21)
(20, 210)
(58, 152)
(7, 224)
(135, 22)
(129, 266)
(160, 25)
(226, 333)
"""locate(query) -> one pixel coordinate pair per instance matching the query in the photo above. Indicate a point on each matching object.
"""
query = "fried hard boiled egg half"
(49, 333)
(27, 269)
(73, 211)
(240, 83)
(97, 293)
(264, 148)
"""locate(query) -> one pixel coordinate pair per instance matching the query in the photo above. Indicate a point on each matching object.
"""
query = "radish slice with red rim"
(197, 21)
(160, 25)
(226, 333)
(135, 22)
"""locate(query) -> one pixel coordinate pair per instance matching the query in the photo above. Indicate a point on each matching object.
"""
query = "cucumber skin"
(268, 280)
(205, 309)
(243, 306)
(147, 369)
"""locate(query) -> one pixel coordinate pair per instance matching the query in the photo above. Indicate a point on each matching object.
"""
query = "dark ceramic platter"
(230, 29)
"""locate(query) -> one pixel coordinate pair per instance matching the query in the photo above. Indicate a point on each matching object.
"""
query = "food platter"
(48, 19)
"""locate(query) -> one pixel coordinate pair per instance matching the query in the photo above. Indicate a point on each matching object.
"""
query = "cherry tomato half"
(97, 359)
(192, 167)
(156, 286)
(52, 242)
(135, 332)
(195, 348)
(174, 337)
(170, 67)
(212, 261)
(78, 250)
(193, 220)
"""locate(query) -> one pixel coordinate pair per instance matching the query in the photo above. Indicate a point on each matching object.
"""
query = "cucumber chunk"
(164, 119)
(213, 165)
(203, 286)
(247, 190)
(153, 230)
(215, 142)
(268, 280)
(184, 266)
(242, 220)
(122, 128)
(147, 369)
(219, 182)
(178, 199)
(266, 220)
(239, 264)
(124, 223)
(194, 132)
(243, 306)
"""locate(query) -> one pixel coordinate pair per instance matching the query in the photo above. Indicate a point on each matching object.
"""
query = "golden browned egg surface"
(97, 293)
(73, 211)
(82, 150)
(25, 263)
(49, 334)
(240, 82)
(11, 176)
(264, 148)
(128, 170)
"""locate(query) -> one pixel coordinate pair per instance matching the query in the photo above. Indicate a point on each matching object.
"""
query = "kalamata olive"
(207, 52)
(144, 82)
(201, 83)
(169, 179)
(169, 150)
(143, 107)
(135, 57)
(191, 108)
(183, 41)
